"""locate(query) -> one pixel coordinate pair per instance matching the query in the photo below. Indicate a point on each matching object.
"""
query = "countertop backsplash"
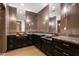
(74, 32)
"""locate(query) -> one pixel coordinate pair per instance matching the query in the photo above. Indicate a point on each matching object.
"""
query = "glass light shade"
(53, 8)
(51, 23)
(46, 18)
(12, 18)
(65, 10)
(44, 22)
(27, 20)
(65, 28)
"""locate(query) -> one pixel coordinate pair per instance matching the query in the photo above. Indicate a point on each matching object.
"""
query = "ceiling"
(33, 7)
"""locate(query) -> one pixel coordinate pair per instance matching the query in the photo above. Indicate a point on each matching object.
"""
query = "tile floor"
(26, 51)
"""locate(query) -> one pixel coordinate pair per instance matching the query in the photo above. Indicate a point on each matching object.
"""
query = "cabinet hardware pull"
(65, 44)
(65, 53)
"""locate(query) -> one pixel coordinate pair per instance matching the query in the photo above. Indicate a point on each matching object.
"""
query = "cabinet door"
(29, 40)
(44, 45)
(11, 42)
(38, 42)
(19, 42)
(49, 47)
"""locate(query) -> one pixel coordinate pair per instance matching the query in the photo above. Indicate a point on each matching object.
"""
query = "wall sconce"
(12, 18)
(65, 28)
(27, 20)
(44, 22)
(46, 18)
(51, 23)
(53, 8)
(65, 9)
(59, 24)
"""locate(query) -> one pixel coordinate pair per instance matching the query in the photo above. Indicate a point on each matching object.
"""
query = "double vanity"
(49, 44)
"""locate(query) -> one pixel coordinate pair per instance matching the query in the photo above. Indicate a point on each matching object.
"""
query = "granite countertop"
(40, 34)
(68, 39)
(46, 38)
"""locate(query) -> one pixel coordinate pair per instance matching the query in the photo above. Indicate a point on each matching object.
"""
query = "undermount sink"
(48, 36)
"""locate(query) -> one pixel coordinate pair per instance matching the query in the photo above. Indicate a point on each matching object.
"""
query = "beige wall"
(40, 19)
(12, 18)
(31, 26)
(71, 20)
(35, 18)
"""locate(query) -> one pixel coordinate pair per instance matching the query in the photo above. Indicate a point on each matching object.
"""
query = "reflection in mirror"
(58, 26)
(21, 19)
(18, 26)
(54, 17)
(52, 24)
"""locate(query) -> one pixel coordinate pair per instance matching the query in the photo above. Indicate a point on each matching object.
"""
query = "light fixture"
(53, 8)
(22, 4)
(65, 9)
(12, 18)
(44, 22)
(65, 28)
(46, 18)
(51, 23)
(27, 20)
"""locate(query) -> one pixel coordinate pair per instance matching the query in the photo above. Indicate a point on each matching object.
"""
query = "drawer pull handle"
(65, 53)
(65, 44)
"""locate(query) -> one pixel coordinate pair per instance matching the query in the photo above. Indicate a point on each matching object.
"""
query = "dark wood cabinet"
(11, 42)
(37, 41)
(66, 48)
(54, 47)
(47, 47)
(14, 42)
(44, 45)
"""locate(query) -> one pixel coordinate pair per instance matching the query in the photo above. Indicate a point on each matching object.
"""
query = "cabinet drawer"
(57, 53)
(70, 46)
(66, 47)
(63, 51)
